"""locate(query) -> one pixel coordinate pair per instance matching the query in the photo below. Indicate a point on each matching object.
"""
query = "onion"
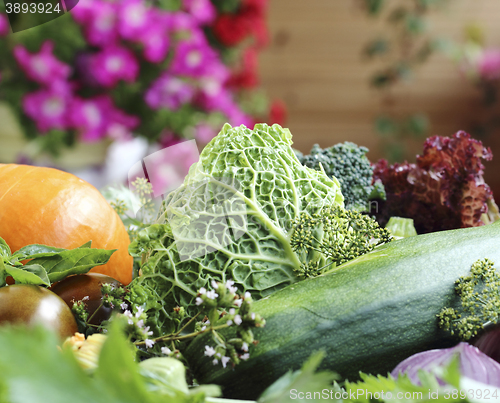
(473, 364)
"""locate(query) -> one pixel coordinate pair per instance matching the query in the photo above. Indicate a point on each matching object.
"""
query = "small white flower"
(127, 313)
(245, 356)
(199, 301)
(229, 322)
(149, 343)
(212, 294)
(202, 290)
(86, 298)
(215, 361)
(215, 284)
(252, 316)
(244, 346)
(218, 355)
(238, 320)
(225, 360)
(130, 322)
(238, 302)
(209, 351)
(139, 312)
(203, 328)
(229, 286)
(248, 295)
(232, 311)
(123, 305)
(147, 332)
(140, 323)
(166, 351)
(207, 322)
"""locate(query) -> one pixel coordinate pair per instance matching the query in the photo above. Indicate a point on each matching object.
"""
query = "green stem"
(173, 337)
(187, 324)
(94, 313)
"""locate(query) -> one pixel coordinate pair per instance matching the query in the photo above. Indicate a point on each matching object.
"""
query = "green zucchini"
(367, 315)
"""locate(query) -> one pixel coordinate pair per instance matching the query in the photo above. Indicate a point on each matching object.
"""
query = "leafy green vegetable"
(35, 370)
(232, 219)
(348, 163)
(480, 301)
(303, 384)
(401, 227)
(48, 264)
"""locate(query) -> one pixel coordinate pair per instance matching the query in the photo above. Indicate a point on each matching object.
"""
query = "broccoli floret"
(332, 237)
(347, 162)
(480, 301)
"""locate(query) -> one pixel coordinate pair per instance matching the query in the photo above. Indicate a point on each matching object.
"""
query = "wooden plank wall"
(314, 64)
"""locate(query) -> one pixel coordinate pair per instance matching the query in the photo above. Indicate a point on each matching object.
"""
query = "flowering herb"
(480, 301)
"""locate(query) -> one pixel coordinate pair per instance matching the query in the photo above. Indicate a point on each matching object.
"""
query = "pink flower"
(4, 25)
(192, 58)
(113, 64)
(43, 67)
(134, 18)
(169, 92)
(155, 37)
(203, 11)
(48, 107)
(98, 117)
(489, 64)
(99, 20)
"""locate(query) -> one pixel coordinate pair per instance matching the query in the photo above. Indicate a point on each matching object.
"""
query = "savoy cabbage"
(231, 219)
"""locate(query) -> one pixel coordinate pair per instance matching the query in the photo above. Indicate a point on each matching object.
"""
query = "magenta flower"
(98, 117)
(112, 64)
(43, 67)
(99, 20)
(134, 19)
(203, 11)
(169, 92)
(48, 107)
(192, 58)
(155, 37)
(489, 64)
(4, 25)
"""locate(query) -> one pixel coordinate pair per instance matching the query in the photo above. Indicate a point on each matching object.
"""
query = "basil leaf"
(75, 261)
(28, 274)
(4, 249)
(86, 245)
(35, 250)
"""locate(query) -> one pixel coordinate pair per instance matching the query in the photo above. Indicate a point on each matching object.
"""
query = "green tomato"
(33, 305)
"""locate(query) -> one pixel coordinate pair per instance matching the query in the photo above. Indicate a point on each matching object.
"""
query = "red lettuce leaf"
(444, 190)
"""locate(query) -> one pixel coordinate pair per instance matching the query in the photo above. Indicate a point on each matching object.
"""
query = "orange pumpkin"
(51, 207)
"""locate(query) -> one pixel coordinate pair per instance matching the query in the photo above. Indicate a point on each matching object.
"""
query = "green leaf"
(4, 249)
(28, 274)
(75, 261)
(35, 250)
(118, 369)
(34, 370)
(86, 245)
(300, 385)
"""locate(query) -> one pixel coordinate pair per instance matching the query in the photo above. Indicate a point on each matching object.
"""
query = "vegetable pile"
(259, 270)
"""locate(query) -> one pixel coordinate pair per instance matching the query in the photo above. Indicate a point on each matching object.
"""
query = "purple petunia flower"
(191, 58)
(169, 92)
(134, 18)
(98, 117)
(112, 64)
(155, 37)
(49, 107)
(99, 20)
(43, 67)
(203, 11)
(4, 25)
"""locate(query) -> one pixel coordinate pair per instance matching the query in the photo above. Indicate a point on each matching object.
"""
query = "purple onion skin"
(473, 364)
(489, 343)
